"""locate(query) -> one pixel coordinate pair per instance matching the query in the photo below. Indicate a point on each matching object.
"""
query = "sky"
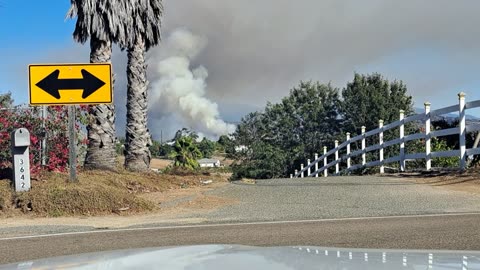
(256, 51)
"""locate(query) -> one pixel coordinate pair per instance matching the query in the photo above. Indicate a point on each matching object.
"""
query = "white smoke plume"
(179, 90)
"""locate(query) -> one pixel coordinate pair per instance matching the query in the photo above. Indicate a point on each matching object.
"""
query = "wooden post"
(316, 165)
(428, 159)
(402, 143)
(296, 173)
(349, 160)
(325, 162)
(337, 166)
(302, 173)
(380, 142)
(309, 171)
(291, 175)
(463, 130)
(364, 155)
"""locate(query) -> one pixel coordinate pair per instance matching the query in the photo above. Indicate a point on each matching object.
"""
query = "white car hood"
(230, 257)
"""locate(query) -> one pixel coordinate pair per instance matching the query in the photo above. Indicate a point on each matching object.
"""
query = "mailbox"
(21, 137)
(21, 159)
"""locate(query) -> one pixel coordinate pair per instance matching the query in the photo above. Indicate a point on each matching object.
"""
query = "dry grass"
(96, 193)
(160, 164)
(6, 196)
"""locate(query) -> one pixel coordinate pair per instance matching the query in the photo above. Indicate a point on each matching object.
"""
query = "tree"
(369, 98)
(120, 146)
(6, 100)
(185, 132)
(297, 127)
(103, 22)
(265, 161)
(155, 148)
(144, 33)
(226, 144)
(206, 147)
(185, 153)
(165, 150)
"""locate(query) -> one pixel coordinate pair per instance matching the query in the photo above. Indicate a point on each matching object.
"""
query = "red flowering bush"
(55, 132)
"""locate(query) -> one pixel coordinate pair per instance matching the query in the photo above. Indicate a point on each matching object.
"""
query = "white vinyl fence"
(312, 168)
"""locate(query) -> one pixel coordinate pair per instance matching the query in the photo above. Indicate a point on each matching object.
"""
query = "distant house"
(241, 148)
(209, 163)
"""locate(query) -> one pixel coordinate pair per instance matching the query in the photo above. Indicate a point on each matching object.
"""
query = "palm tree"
(185, 153)
(144, 33)
(103, 22)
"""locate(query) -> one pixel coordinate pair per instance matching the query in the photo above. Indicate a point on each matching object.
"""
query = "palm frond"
(145, 22)
(103, 19)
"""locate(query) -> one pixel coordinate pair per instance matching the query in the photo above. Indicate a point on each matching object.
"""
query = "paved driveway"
(337, 197)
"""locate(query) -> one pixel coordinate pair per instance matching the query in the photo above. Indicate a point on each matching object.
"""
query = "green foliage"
(226, 145)
(443, 162)
(185, 153)
(185, 132)
(155, 148)
(263, 161)
(6, 100)
(207, 148)
(313, 116)
(297, 127)
(370, 98)
(120, 146)
(165, 150)
(436, 145)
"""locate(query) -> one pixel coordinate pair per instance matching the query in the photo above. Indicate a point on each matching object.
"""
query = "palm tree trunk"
(137, 139)
(101, 128)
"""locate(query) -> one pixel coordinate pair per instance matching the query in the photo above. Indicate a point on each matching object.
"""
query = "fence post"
(316, 165)
(309, 171)
(428, 149)
(325, 162)
(380, 142)
(349, 164)
(463, 130)
(337, 166)
(291, 175)
(364, 155)
(302, 173)
(402, 143)
(296, 173)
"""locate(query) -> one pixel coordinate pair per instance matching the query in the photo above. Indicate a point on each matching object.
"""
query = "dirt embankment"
(468, 181)
(97, 193)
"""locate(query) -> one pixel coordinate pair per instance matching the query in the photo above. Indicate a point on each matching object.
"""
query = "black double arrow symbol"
(52, 84)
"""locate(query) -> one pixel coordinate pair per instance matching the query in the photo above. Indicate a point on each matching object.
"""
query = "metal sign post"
(72, 154)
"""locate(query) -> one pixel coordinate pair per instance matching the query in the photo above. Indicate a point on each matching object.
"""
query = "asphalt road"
(451, 232)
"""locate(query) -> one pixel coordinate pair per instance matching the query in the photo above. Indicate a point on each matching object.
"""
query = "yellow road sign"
(69, 84)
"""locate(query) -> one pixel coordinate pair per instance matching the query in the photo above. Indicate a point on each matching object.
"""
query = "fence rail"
(427, 135)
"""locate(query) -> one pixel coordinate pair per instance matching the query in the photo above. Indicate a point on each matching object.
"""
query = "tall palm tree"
(143, 33)
(103, 22)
